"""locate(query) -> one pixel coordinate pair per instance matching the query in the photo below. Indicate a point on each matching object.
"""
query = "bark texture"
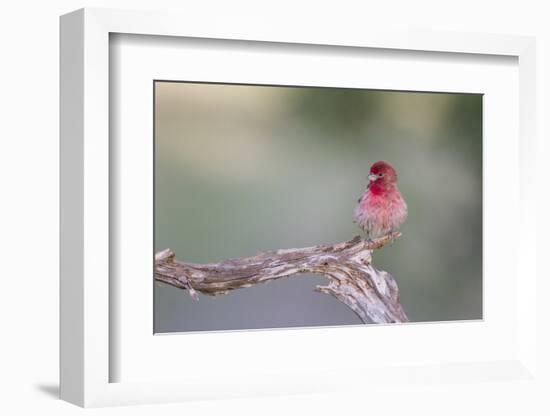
(352, 279)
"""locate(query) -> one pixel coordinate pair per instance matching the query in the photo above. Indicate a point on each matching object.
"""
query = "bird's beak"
(372, 177)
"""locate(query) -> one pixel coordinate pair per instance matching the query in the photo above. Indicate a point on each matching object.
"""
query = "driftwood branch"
(372, 294)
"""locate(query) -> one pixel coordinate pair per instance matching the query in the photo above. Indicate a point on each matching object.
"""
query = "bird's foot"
(392, 240)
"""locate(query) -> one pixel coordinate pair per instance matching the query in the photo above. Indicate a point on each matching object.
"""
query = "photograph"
(279, 206)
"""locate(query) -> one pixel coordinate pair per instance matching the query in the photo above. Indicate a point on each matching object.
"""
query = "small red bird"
(381, 209)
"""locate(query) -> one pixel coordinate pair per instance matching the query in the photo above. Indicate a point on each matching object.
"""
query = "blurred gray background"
(241, 169)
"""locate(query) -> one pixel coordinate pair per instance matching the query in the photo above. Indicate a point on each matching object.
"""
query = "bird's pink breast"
(381, 212)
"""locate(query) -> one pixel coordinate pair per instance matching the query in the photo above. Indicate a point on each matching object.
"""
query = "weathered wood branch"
(372, 294)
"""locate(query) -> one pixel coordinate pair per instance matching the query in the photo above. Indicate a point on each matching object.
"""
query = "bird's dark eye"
(380, 175)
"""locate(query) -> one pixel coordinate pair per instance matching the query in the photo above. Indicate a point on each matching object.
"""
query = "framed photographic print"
(236, 205)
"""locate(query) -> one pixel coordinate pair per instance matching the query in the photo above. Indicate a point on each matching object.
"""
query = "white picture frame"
(87, 356)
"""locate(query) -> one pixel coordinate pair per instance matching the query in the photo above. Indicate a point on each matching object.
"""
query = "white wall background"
(29, 209)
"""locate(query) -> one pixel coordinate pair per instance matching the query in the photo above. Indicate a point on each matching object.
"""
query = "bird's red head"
(382, 176)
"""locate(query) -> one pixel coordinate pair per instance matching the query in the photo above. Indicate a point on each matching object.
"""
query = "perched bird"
(381, 209)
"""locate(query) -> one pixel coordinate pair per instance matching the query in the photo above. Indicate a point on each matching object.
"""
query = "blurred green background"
(241, 169)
